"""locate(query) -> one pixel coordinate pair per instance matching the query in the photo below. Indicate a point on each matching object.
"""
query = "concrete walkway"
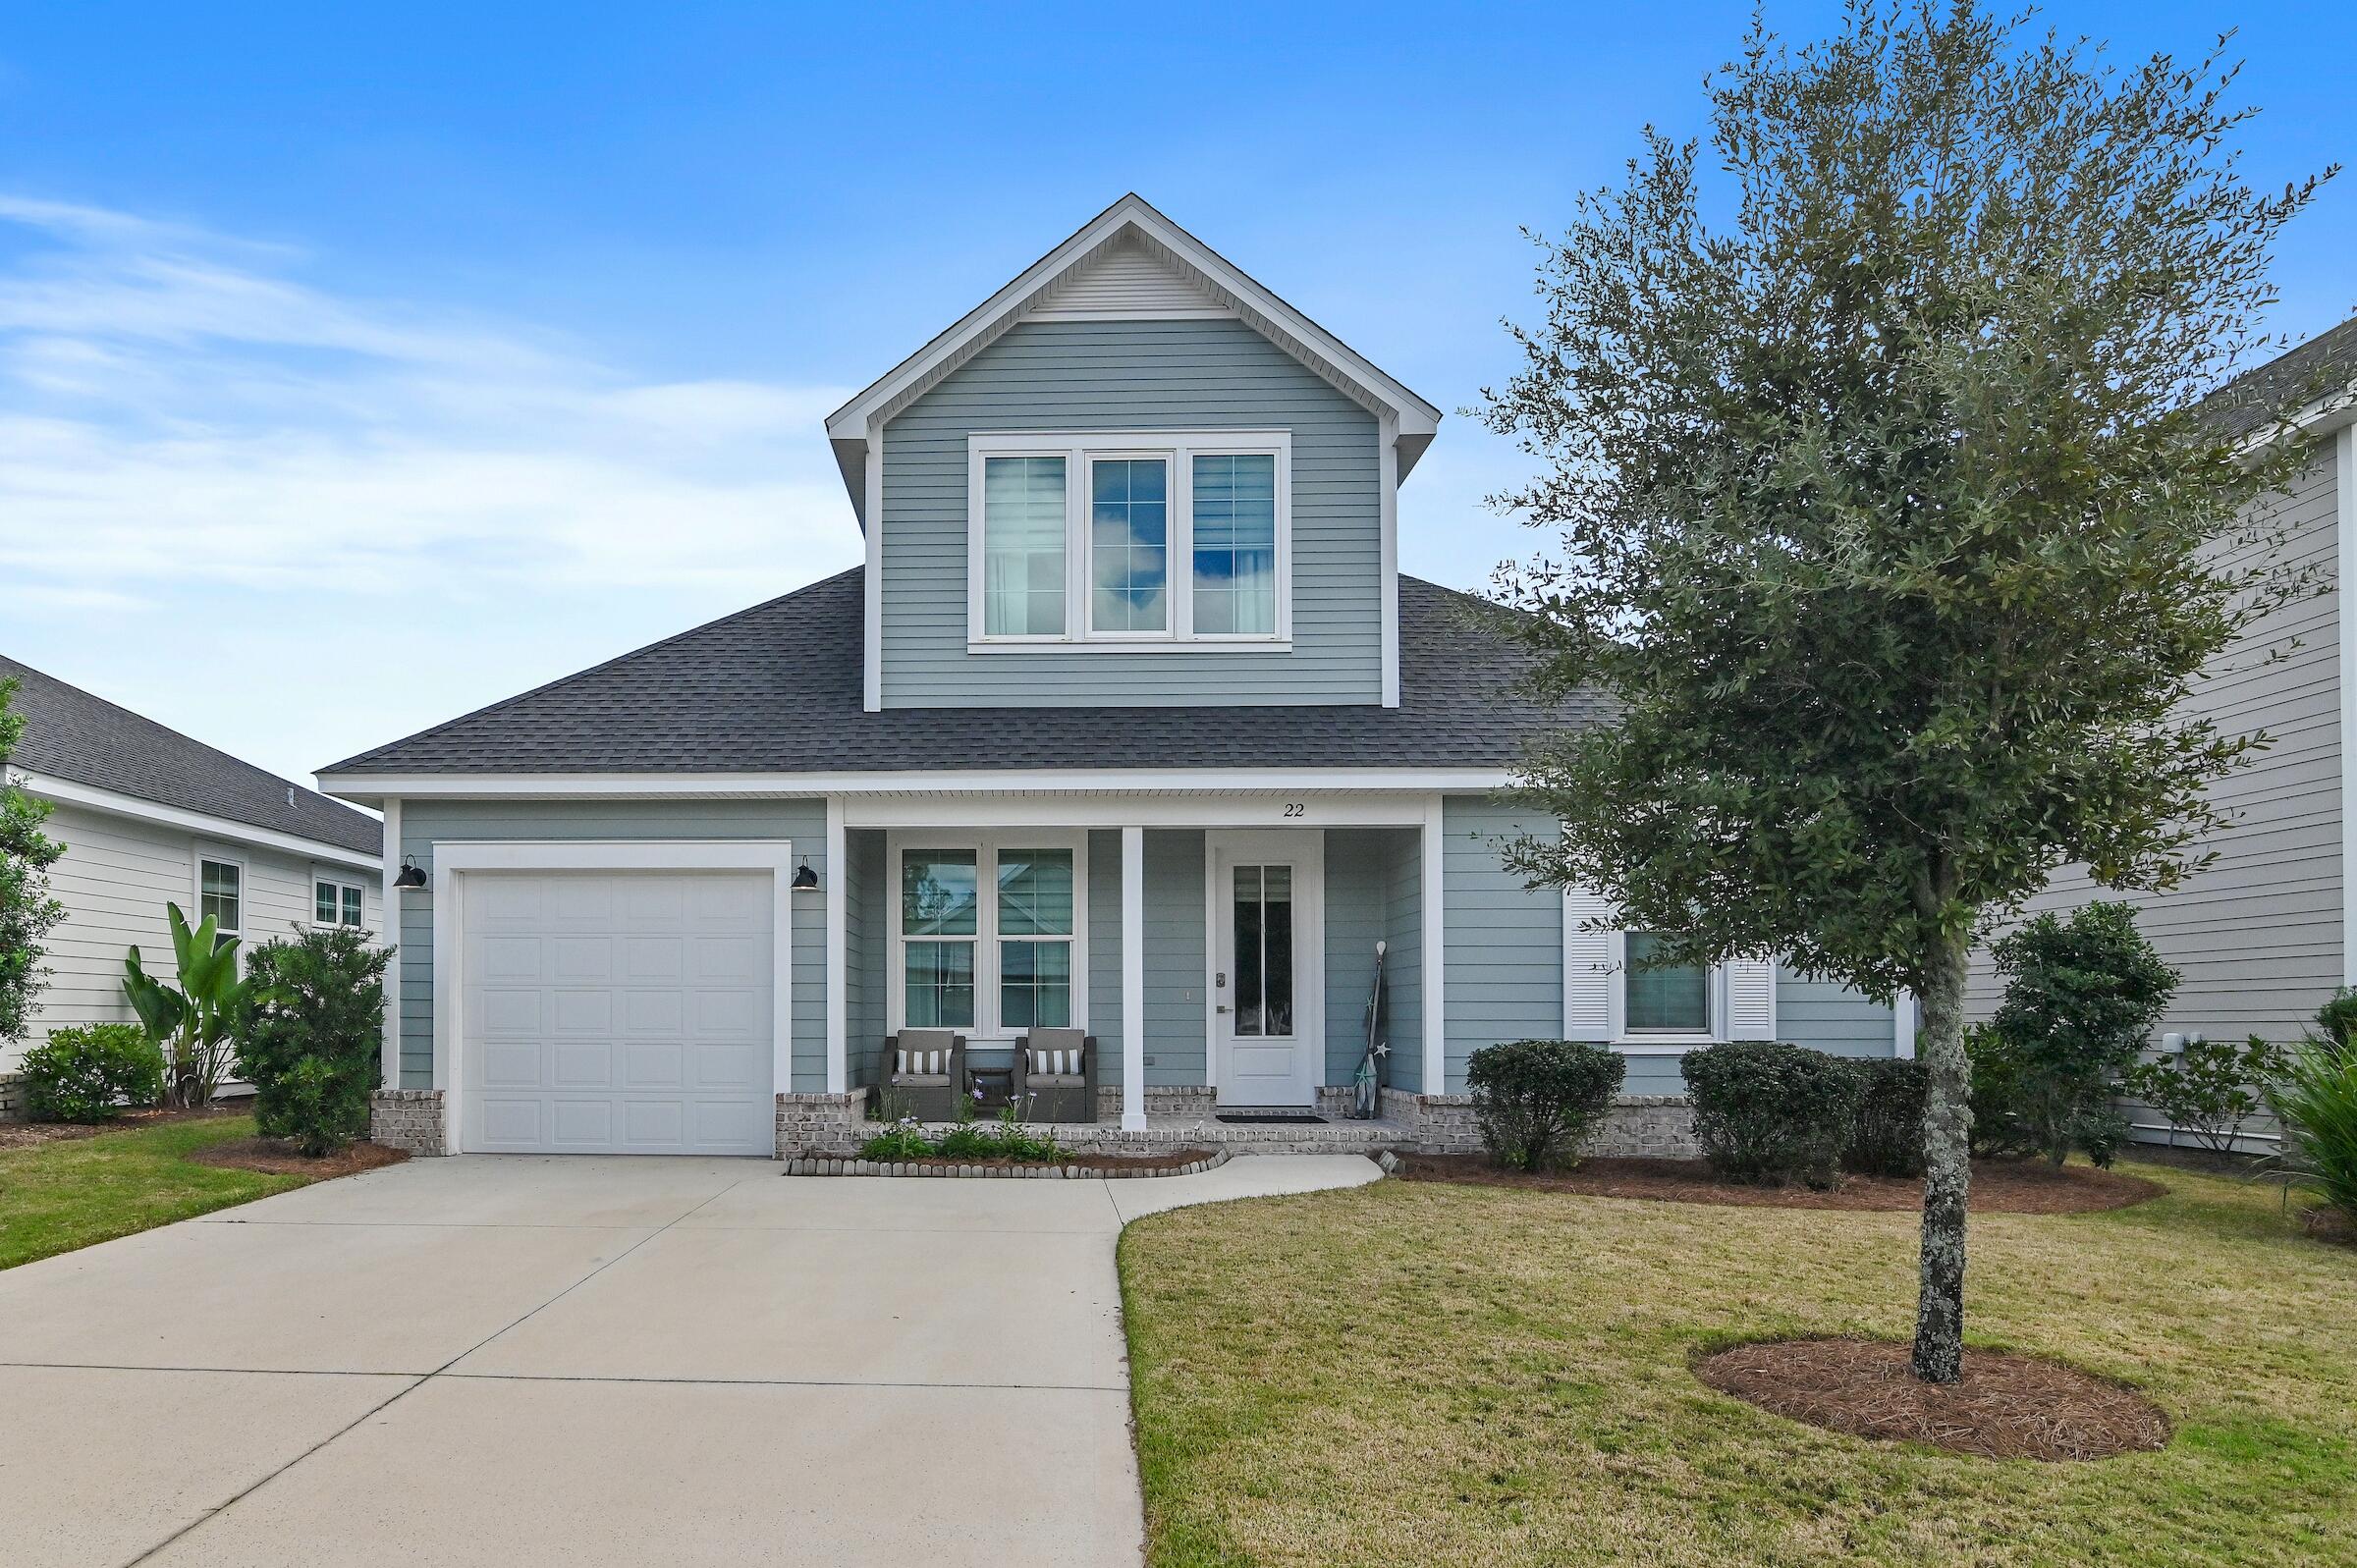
(516, 1360)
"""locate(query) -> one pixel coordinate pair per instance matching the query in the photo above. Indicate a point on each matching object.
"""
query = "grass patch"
(55, 1197)
(1418, 1373)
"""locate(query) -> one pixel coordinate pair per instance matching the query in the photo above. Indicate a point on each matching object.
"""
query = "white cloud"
(179, 407)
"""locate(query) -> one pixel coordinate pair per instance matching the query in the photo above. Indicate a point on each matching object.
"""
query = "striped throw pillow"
(1056, 1063)
(923, 1063)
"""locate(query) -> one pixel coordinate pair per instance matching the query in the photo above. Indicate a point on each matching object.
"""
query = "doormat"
(1252, 1118)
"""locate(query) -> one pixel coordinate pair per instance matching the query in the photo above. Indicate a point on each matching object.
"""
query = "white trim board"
(2345, 607)
(67, 792)
(455, 858)
(364, 786)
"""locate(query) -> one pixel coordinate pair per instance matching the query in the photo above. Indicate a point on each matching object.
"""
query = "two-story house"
(1130, 722)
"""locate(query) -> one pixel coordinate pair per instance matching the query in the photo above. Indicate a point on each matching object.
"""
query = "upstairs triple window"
(1130, 540)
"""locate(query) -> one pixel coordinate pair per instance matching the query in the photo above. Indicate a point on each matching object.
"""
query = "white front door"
(1268, 997)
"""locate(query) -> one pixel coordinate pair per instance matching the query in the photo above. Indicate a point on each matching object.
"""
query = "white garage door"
(622, 1012)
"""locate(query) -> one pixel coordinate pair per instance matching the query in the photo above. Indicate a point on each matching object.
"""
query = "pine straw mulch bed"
(26, 1134)
(1069, 1159)
(1998, 1186)
(276, 1157)
(2003, 1407)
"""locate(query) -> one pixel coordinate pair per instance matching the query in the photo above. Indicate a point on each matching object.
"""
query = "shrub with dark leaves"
(1537, 1100)
(1887, 1138)
(1771, 1113)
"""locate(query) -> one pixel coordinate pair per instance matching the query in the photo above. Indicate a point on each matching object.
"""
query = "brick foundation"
(1650, 1127)
(12, 1096)
(408, 1119)
(833, 1126)
(1162, 1100)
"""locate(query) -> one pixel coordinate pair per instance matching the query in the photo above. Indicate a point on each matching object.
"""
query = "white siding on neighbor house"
(1134, 375)
(2257, 936)
(115, 878)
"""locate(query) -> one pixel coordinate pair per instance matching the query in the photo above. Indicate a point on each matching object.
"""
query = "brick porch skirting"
(1648, 1127)
(825, 1125)
(409, 1120)
(12, 1096)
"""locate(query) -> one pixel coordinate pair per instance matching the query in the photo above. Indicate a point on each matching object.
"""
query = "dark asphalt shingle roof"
(2326, 363)
(777, 688)
(71, 735)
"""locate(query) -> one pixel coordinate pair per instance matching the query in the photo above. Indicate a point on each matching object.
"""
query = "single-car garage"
(617, 1010)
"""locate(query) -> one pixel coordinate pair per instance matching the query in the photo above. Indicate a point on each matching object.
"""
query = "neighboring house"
(2267, 933)
(1130, 720)
(148, 818)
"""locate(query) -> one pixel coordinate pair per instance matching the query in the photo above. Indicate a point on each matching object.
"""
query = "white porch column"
(839, 1001)
(1903, 1024)
(1133, 980)
(1436, 954)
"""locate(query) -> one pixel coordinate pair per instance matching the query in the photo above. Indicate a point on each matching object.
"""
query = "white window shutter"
(1587, 967)
(1751, 998)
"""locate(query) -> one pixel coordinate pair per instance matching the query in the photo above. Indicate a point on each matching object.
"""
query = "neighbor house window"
(335, 902)
(1663, 998)
(1024, 543)
(989, 935)
(1157, 537)
(221, 896)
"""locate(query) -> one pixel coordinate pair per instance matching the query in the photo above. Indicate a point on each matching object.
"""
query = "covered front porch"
(1217, 949)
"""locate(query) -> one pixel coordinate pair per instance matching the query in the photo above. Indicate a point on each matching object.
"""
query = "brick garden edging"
(830, 1165)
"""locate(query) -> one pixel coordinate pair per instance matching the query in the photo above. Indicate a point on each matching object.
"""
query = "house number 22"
(1294, 808)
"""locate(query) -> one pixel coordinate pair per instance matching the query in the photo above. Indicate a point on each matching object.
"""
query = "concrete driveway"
(519, 1360)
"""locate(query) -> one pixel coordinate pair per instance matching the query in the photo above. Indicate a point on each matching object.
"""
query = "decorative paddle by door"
(1366, 1099)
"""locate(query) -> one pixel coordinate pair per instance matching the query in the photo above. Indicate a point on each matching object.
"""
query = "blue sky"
(355, 372)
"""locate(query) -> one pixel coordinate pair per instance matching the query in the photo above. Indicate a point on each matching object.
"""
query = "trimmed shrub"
(1998, 1126)
(2082, 994)
(1538, 1099)
(2336, 1020)
(311, 1039)
(91, 1073)
(1770, 1113)
(1887, 1138)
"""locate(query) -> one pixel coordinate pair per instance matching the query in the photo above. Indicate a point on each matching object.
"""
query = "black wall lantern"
(409, 876)
(804, 879)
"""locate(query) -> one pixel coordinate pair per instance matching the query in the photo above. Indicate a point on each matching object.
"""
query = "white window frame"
(1659, 1042)
(987, 1029)
(343, 882)
(1079, 449)
(215, 854)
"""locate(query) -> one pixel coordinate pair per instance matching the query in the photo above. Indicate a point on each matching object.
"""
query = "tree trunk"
(1946, 1165)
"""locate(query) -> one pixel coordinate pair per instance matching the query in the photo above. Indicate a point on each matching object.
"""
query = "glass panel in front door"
(1264, 952)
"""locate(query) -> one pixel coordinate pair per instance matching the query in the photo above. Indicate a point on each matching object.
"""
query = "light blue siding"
(869, 910)
(1105, 952)
(1506, 965)
(424, 823)
(1403, 965)
(1134, 375)
(1174, 960)
(1359, 863)
(1504, 941)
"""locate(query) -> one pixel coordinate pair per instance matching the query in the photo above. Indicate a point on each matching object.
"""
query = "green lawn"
(1418, 1374)
(55, 1197)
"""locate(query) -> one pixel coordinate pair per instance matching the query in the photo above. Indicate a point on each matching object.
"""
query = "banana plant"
(195, 1023)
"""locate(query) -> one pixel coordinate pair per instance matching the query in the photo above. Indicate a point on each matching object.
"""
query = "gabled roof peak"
(1181, 277)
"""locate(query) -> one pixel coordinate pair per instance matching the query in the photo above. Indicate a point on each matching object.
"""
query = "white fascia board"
(370, 787)
(1259, 809)
(850, 428)
(89, 797)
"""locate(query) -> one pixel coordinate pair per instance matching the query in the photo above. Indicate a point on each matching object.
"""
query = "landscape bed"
(1065, 1166)
(1424, 1372)
(1998, 1186)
